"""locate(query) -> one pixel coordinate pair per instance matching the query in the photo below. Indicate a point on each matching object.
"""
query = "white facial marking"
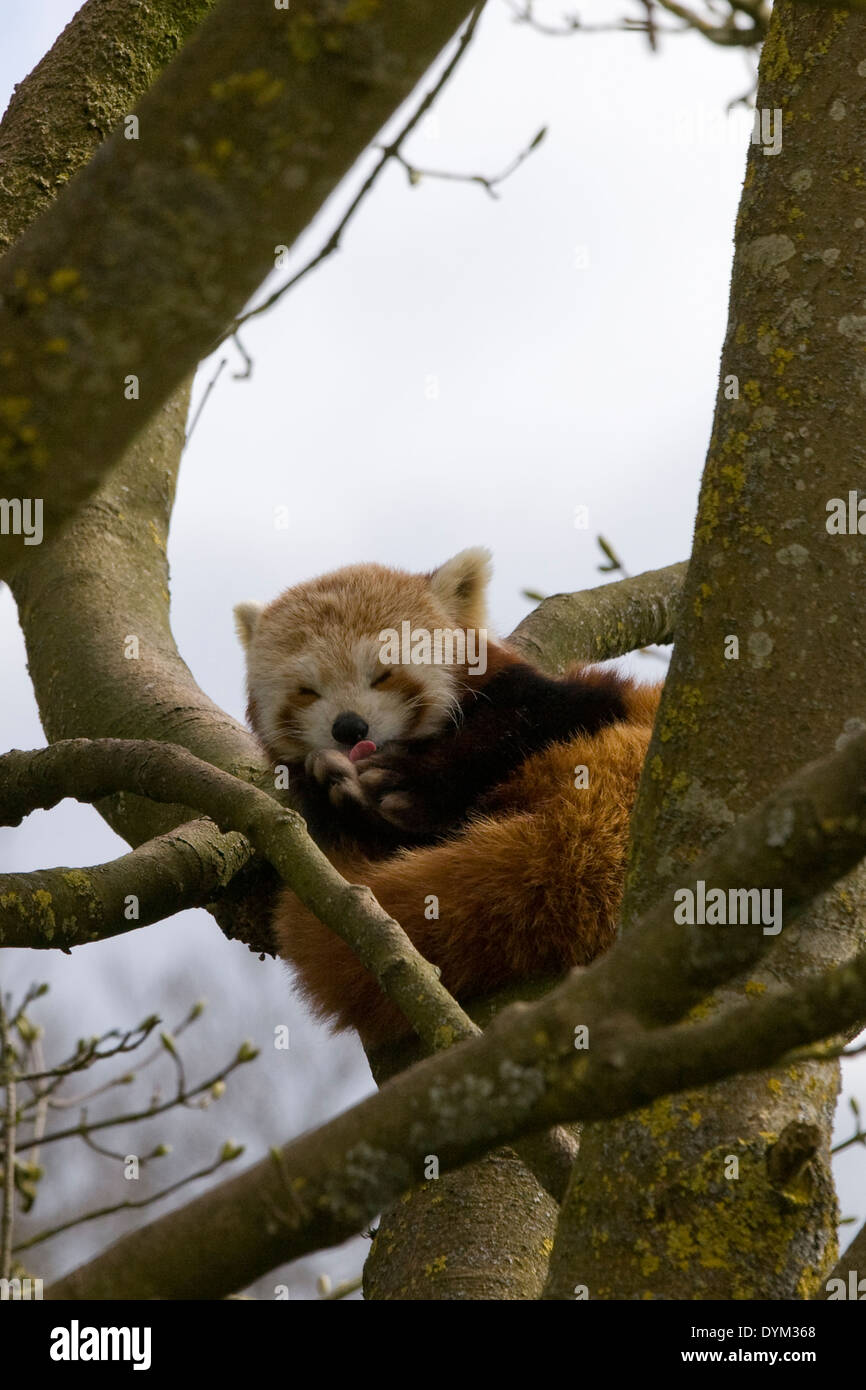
(295, 727)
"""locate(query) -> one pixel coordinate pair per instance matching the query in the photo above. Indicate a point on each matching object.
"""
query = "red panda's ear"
(246, 621)
(460, 585)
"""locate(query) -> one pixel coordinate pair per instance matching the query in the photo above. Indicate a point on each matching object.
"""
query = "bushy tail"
(532, 890)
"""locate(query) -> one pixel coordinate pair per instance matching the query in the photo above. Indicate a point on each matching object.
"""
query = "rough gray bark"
(765, 570)
(162, 238)
(106, 58)
(601, 623)
(416, 1257)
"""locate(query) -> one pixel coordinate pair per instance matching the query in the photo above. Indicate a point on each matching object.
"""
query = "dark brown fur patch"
(411, 689)
(286, 714)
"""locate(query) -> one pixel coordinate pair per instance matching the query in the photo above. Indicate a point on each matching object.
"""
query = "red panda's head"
(330, 662)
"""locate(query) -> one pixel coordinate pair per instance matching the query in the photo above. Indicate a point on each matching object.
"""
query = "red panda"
(486, 804)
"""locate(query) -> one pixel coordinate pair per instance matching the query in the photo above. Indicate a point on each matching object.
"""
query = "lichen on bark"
(787, 437)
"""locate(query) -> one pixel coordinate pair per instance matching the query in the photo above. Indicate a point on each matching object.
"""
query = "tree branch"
(129, 1204)
(162, 238)
(101, 63)
(69, 907)
(91, 770)
(523, 1072)
(156, 696)
(518, 1076)
(601, 623)
(760, 681)
(106, 57)
(163, 772)
(388, 152)
(7, 1215)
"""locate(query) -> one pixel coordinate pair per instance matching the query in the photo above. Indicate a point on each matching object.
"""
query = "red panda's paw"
(386, 780)
(338, 776)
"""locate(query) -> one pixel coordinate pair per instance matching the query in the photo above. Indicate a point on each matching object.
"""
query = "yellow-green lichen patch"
(681, 716)
(708, 516)
(704, 592)
(757, 530)
(248, 85)
(702, 1009)
(811, 1281)
(63, 279)
(13, 409)
(444, 1036)
(777, 65)
(357, 11)
(45, 922)
(780, 357)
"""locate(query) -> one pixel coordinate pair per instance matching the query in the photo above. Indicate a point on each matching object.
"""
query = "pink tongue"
(361, 750)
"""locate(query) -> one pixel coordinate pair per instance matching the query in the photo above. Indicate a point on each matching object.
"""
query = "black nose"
(349, 728)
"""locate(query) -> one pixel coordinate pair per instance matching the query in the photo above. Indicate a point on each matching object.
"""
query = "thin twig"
(42, 1103)
(727, 33)
(572, 24)
(389, 152)
(858, 1138)
(332, 244)
(204, 400)
(8, 1072)
(343, 1290)
(125, 1206)
(179, 1098)
(248, 361)
(488, 182)
(158, 1151)
(90, 1052)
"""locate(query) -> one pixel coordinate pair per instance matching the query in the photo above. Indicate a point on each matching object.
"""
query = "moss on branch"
(601, 623)
(66, 907)
(109, 300)
(90, 770)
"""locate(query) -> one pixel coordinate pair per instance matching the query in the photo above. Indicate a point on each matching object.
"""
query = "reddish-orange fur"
(532, 889)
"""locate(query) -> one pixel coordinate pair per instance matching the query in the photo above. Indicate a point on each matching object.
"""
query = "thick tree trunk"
(726, 1192)
(106, 576)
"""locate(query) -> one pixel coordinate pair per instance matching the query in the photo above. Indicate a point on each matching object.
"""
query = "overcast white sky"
(558, 385)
